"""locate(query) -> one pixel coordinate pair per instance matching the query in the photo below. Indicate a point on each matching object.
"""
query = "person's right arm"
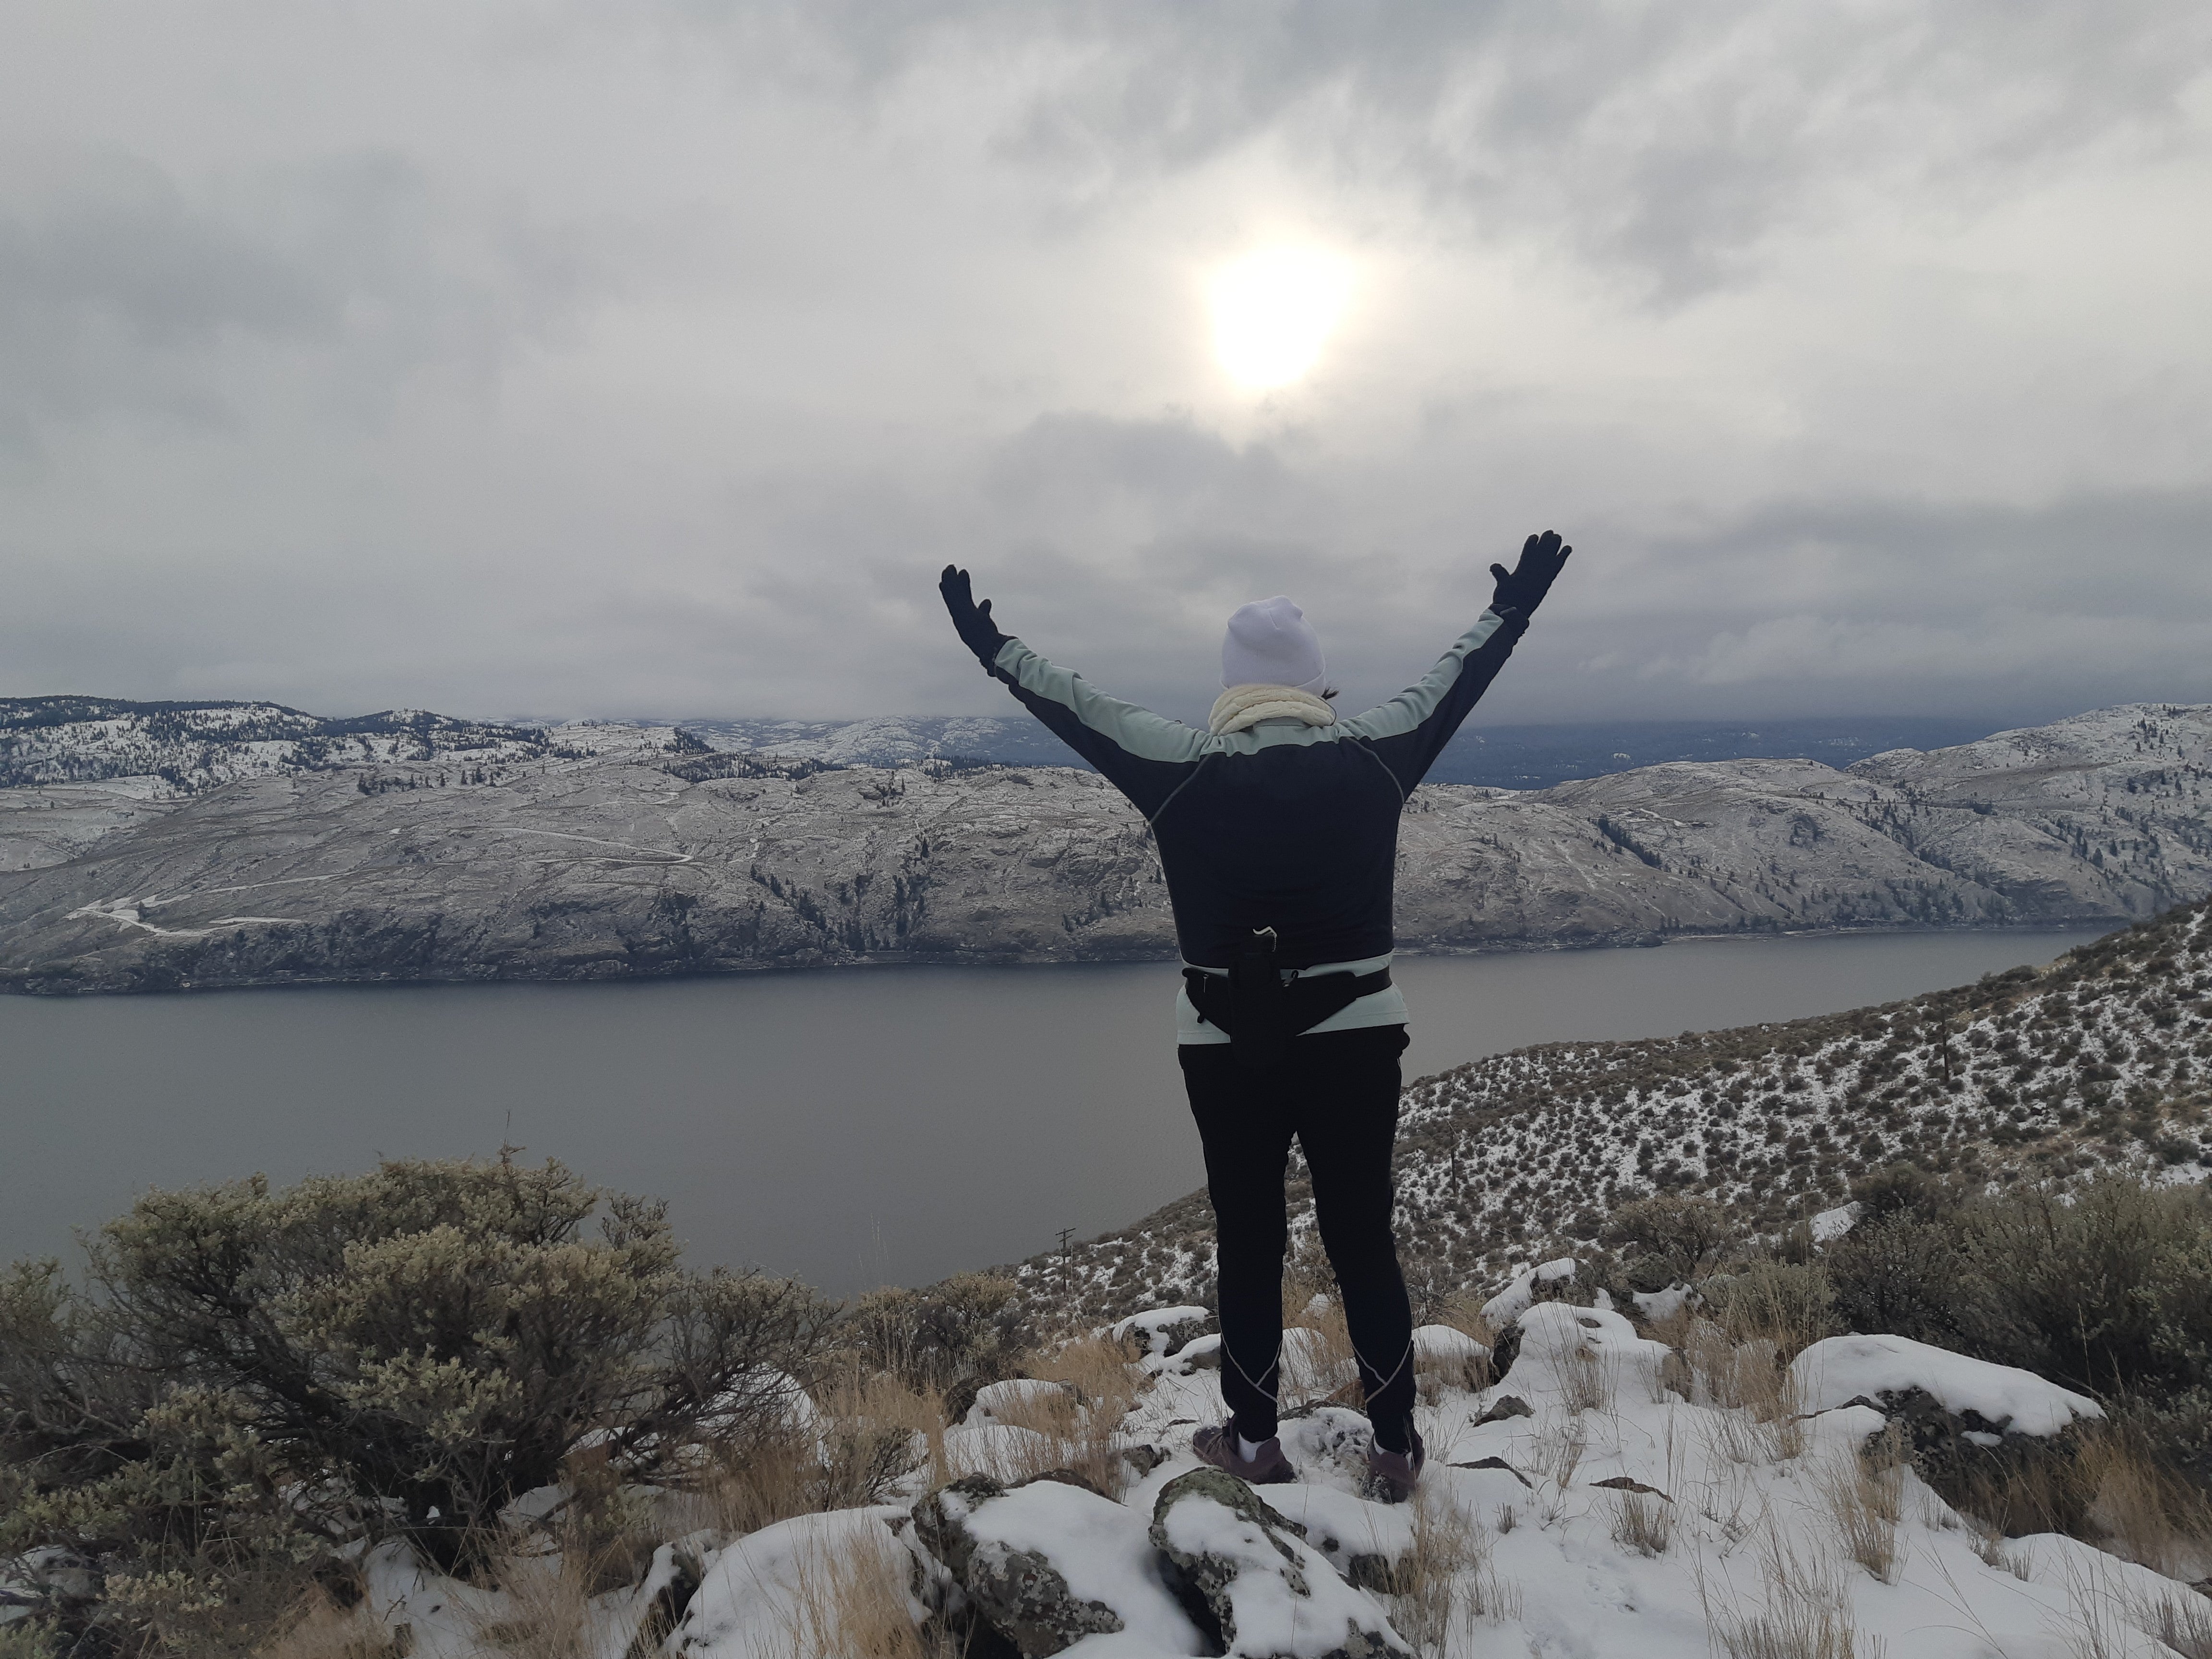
(1146, 756)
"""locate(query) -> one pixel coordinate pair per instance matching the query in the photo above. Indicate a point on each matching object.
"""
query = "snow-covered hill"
(598, 850)
(891, 740)
(173, 750)
(2104, 1058)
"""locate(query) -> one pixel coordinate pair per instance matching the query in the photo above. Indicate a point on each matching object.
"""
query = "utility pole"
(1067, 1250)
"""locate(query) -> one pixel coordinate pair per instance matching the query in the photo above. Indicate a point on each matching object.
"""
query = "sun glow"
(1273, 311)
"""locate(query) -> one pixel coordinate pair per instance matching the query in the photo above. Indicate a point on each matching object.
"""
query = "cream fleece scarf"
(1241, 706)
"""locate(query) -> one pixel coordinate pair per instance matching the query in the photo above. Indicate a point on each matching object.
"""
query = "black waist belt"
(1259, 1019)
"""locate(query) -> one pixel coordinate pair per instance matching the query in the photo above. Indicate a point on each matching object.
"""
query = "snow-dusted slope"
(170, 751)
(891, 740)
(2104, 1057)
(621, 849)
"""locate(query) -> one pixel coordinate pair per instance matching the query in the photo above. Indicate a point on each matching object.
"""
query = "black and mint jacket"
(1283, 826)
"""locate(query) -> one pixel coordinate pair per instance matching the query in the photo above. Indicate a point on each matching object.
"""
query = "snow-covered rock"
(1436, 1345)
(1831, 1225)
(1164, 1330)
(1274, 1594)
(1201, 1354)
(2003, 1398)
(1566, 1351)
(1503, 1309)
(769, 1595)
(1052, 1565)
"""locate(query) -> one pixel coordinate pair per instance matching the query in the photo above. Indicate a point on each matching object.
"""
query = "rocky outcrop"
(621, 851)
(1047, 1562)
(1273, 1595)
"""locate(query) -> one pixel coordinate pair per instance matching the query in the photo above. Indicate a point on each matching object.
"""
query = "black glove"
(1522, 588)
(973, 621)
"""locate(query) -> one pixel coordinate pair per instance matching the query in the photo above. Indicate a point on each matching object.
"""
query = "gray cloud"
(1668, 140)
(121, 292)
(613, 364)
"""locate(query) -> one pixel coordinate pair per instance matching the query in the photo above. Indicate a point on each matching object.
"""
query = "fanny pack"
(1261, 1011)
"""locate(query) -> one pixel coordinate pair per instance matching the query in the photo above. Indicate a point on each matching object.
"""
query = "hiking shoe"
(1391, 1475)
(1267, 1466)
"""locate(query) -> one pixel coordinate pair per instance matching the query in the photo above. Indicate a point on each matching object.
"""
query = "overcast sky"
(625, 359)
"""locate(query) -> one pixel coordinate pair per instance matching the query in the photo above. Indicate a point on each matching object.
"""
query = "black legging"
(1339, 1096)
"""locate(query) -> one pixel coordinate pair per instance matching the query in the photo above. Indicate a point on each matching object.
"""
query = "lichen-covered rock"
(1048, 1562)
(1274, 1596)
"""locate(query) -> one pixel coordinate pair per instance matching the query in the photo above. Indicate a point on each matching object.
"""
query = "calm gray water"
(854, 1127)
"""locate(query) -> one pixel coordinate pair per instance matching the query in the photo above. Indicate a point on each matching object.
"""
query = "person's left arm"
(1410, 730)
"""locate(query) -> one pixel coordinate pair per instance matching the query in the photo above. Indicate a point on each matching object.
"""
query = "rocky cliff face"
(621, 850)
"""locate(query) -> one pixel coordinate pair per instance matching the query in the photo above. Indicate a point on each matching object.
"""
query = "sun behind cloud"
(1273, 311)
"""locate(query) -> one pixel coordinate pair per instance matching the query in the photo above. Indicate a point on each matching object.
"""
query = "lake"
(853, 1127)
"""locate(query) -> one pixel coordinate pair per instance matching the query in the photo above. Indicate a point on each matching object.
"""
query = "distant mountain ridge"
(614, 850)
(182, 748)
(185, 747)
(1496, 756)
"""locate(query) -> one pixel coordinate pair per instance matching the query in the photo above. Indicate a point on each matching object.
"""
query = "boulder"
(1274, 1596)
(762, 1596)
(1164, 1331)
(1990, 1399)
(1967, 1423)
(1047, 1562)
(46, 1583)
(1505, 1406)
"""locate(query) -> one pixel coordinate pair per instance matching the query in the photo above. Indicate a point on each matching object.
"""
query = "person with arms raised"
(1277, 830)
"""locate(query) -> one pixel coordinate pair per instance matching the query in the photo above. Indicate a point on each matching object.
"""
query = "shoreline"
(11, 987)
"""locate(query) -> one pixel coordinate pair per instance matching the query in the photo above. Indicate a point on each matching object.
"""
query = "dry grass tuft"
(1644, 1522)
(321, 1629)
(1591, 1376)
(548, 1609)
(2143, 1510)
(1989, 1544)
(1554, 1455)
(851, 1605)
(2110, 1490)
(1330, 1368)
(1753, 1387)
(869, 1434)
(2182, 1621)
(1070, 1428)
(1802, 1612)
(1463, 1312)
(1864, 1494)
(601, 1538)
(1102, 1371)
(1447, 1582)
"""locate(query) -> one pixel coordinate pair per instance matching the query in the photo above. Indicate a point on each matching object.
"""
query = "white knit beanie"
(1270, 642)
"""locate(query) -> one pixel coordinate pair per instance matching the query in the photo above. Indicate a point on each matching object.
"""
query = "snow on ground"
(1751, 1530)
(1625, 1512)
